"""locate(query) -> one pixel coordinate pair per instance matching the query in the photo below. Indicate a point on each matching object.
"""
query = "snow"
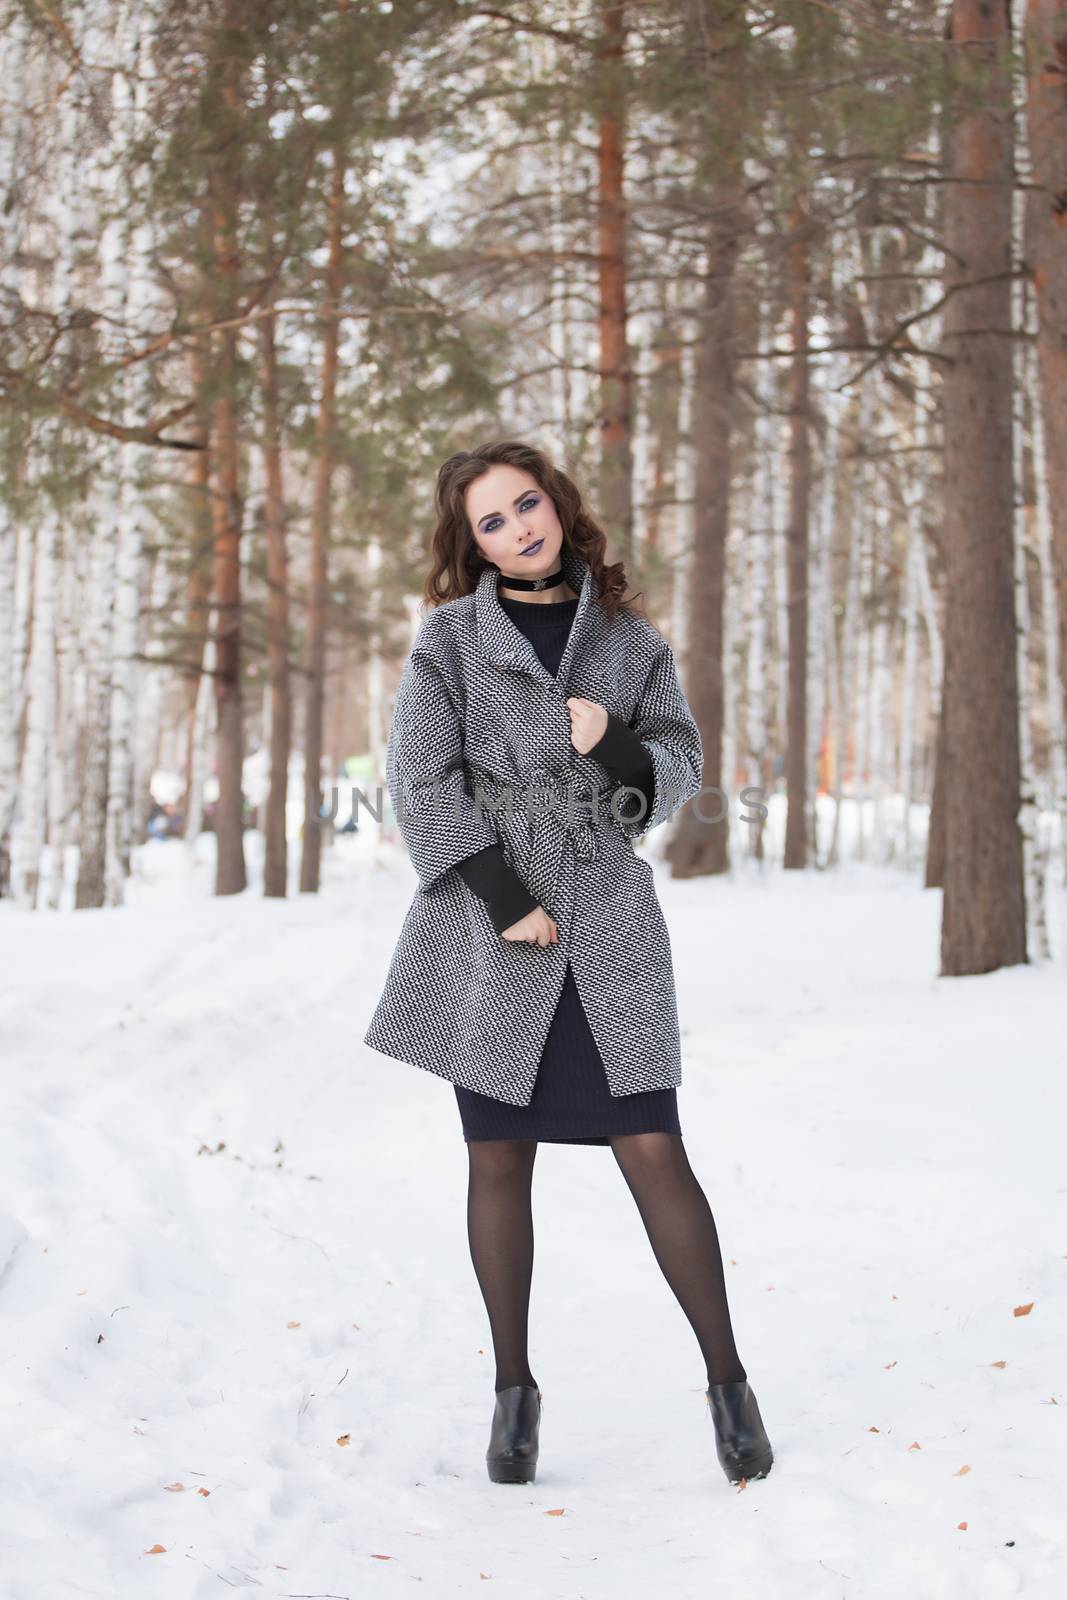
(232, 1237)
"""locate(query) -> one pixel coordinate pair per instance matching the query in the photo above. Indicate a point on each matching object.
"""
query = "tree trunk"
(762, 538)
(230, 876)
(198, 585)
(14, 151)
(226, 505)
(199, 741)
(661, 512)
(983, 917)
(700, 839)
(799, 272)
(40, 725)
(320, 534)
(276, 853)
(1046, 120)
(615, 376)
(63, 768)
(8, 741)
(1050, 634)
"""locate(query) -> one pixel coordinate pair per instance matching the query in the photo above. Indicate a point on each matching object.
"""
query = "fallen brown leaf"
(157, 1550)
(961, 1472)
(1023, 1311)
(344, 1438)
(558, 1512)
(174, 1487)
(915, 1445)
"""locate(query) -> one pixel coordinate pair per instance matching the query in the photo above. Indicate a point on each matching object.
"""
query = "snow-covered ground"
(240, 1327)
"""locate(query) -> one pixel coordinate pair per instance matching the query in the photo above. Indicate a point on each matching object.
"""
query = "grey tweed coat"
(480, 753)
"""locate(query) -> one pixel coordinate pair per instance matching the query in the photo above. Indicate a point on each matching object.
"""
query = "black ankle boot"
(513, 1439)
(741, 1441)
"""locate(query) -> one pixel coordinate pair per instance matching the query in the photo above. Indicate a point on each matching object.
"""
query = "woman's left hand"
(589, 723)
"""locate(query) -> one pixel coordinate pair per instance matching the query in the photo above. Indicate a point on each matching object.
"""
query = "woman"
(539, 727)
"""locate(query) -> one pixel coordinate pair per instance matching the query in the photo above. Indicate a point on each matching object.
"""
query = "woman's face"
(509, 514)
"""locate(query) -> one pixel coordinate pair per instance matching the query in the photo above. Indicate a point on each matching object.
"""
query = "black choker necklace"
(548, 582)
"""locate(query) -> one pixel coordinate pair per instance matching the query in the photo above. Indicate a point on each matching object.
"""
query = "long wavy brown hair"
(458, 563)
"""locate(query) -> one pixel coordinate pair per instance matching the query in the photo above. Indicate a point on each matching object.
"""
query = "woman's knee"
(648, 1152)
(501, 1160)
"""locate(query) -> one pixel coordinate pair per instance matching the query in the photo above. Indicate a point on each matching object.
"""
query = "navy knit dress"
(572, 1102)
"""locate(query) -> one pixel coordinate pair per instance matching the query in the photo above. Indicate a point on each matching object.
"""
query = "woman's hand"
(536, 927)
(589, 723)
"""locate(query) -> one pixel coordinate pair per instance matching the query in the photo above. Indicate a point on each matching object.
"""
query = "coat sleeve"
(668, 730)
(624, 758)
(425, 775)
(492, 878)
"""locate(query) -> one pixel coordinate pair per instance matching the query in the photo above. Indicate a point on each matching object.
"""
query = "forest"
(784, 285)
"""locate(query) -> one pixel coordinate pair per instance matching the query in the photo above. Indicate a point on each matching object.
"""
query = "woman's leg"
(500, 1229)
(681, 1229)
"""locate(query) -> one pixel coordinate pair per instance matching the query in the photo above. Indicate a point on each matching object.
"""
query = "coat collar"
(507, 646)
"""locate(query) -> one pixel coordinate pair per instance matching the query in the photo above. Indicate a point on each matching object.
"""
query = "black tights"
(677, 1219)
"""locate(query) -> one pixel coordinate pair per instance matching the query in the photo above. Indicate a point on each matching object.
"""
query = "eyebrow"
(515, 502)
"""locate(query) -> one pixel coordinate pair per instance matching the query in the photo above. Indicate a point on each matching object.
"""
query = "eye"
(524, 505)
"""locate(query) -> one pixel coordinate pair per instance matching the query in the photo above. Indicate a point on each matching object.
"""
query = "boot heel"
(511, 1471)
(514, 1437)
